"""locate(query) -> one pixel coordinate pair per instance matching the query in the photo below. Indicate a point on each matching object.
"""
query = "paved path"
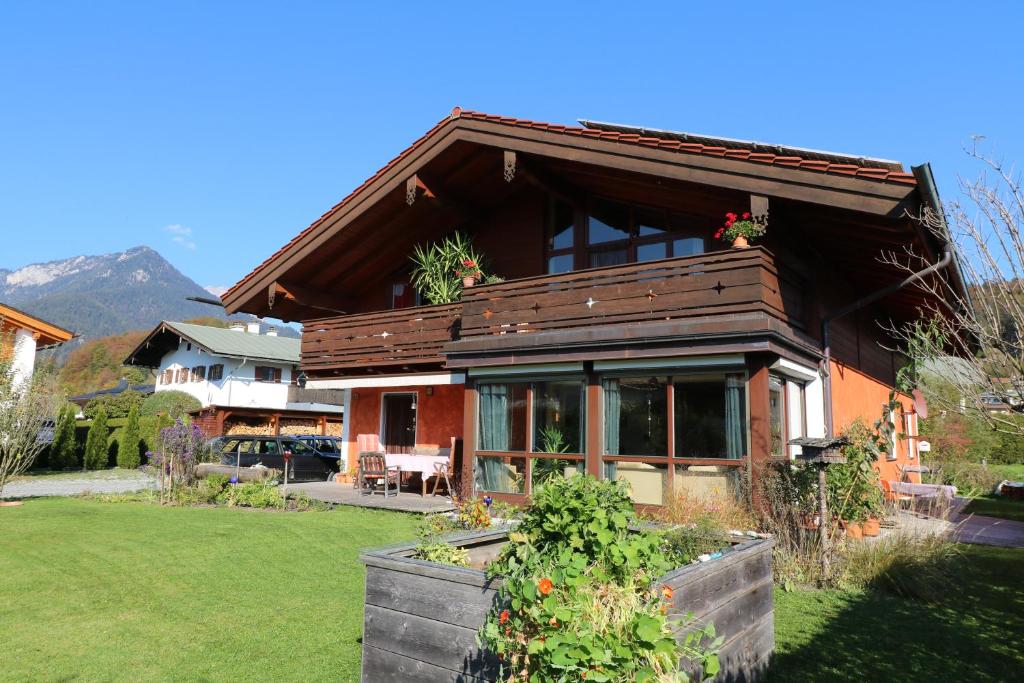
(73, 486)
(989, 531)
(344, 494)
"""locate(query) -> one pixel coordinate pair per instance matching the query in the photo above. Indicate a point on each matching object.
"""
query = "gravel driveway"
(72, 485)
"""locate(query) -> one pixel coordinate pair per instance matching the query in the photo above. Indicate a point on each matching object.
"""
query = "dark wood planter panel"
(404, 336)
(422, 618)
(737, 282)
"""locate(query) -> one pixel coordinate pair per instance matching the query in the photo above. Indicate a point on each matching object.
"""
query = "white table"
(424, 464)
(924, 490)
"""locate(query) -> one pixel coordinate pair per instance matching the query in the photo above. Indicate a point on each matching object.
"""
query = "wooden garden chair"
(374, 470)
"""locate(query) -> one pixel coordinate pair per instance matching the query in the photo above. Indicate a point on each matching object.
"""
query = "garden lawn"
(94, 591)
(976, 635)
(996, 506)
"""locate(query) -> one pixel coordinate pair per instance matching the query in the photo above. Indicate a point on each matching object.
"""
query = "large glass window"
(710, 417)
(558, 416)
(561, 237)
(776, 416)
(502, 416)
(620, 233)
(636, 416)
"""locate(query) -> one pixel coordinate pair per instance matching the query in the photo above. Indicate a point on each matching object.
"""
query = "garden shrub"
(116, 406)
(254, 494)
(128, 455)
(174, 404)
(62, 451)
(95, 456)
(969, 478)
(578, 600)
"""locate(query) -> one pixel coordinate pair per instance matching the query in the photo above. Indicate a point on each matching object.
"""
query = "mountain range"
(96, 296)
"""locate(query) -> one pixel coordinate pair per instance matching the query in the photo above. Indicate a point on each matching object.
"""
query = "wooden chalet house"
(658, 354)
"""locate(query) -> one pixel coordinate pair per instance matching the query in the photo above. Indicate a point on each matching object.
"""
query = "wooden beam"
(536, 174)
(509, 159)
(303, 296)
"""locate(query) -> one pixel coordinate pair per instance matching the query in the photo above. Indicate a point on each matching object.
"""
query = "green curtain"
(612, 415)
(735, 424)
(495, 414)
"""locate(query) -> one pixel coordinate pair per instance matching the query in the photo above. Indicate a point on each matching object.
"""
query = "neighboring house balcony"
(738, 296)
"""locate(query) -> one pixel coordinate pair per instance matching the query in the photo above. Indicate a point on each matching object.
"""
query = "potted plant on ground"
(740, 230)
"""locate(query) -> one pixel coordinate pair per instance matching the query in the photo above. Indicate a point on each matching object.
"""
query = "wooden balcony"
(718, 294)
(384, 341)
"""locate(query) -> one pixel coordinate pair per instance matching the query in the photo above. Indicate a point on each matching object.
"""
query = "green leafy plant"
(254, 494)
(474, 514)
(552, 440)
(743, 225)
(173, 404)
(442, 553)
(438, 268)
(579, 600)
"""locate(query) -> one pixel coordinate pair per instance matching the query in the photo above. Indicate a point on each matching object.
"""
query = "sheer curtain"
(494, 435)
(735, 424)
(612, 413)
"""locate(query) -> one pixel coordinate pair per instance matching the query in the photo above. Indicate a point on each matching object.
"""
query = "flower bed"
(422, 618)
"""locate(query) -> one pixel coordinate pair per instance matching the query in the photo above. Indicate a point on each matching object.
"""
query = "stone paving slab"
(344, 494)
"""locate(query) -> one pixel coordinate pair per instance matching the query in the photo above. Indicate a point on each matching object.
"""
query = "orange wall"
(854, 395)
(438, 417)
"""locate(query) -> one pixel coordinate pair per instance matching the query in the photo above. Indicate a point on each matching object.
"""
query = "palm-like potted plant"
(443, 269)
(742, 229)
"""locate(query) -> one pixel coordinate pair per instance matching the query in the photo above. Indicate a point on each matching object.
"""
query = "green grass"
(102, 592)
(977, 634)
(996, 506)
(1011, 472)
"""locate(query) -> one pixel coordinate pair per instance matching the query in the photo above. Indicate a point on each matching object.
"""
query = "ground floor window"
(635, 416)
(787, 414)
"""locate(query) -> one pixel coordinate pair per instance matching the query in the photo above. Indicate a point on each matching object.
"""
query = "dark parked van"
(305, 462)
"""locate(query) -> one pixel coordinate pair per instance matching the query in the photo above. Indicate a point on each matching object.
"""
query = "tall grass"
(921, 566)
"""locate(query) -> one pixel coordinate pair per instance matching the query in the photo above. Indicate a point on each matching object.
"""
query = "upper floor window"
(404, 295)
(199, 373)
(615, 233)
(216, 372)
(265, 373)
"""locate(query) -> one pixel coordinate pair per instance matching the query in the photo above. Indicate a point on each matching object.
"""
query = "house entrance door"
(398, 428)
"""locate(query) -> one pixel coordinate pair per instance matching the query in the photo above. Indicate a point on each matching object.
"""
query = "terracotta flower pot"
(468, 281)
(854, 530)
(872, 527)
(740, 242)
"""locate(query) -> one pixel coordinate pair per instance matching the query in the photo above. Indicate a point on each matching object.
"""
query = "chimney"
(253, 327)
(271, 331)
(237, 326)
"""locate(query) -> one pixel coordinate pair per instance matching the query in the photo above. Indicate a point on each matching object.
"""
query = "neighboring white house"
(227, 368)
(21, 335)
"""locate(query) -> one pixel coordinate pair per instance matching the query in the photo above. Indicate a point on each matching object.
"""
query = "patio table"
(424, 464)
(924, 490)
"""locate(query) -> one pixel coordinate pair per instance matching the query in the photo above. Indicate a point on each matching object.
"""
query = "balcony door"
(398, 423)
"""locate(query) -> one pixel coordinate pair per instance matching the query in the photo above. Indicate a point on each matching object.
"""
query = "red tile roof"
(883, 171)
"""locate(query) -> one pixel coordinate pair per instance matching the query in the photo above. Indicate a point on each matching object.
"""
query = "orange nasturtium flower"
(666, 592)
(545, 586)
(504, 616)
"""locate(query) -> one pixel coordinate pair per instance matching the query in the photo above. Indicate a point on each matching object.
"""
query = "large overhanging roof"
(47, 334)
(869, 186)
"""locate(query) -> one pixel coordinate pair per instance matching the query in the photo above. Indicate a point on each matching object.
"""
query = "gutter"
(930, 196)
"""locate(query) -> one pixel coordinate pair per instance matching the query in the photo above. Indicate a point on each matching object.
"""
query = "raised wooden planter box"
(422, 618)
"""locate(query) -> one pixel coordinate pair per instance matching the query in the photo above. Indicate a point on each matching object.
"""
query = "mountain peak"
(98, 295)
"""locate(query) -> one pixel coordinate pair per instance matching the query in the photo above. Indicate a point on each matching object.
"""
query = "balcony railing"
(351, 344)
(710, 293)
(728, 292)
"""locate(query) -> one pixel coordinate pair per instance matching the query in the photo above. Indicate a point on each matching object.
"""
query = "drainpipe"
(926, 184)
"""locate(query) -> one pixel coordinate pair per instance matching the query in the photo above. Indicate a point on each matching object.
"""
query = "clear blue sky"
(214, 131)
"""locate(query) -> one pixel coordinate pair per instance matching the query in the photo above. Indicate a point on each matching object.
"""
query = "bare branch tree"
(27, 409)
(967, 347)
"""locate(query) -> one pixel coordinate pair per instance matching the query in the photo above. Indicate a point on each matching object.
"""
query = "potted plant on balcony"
(469, 271)
(441, 270)
(742, 229)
